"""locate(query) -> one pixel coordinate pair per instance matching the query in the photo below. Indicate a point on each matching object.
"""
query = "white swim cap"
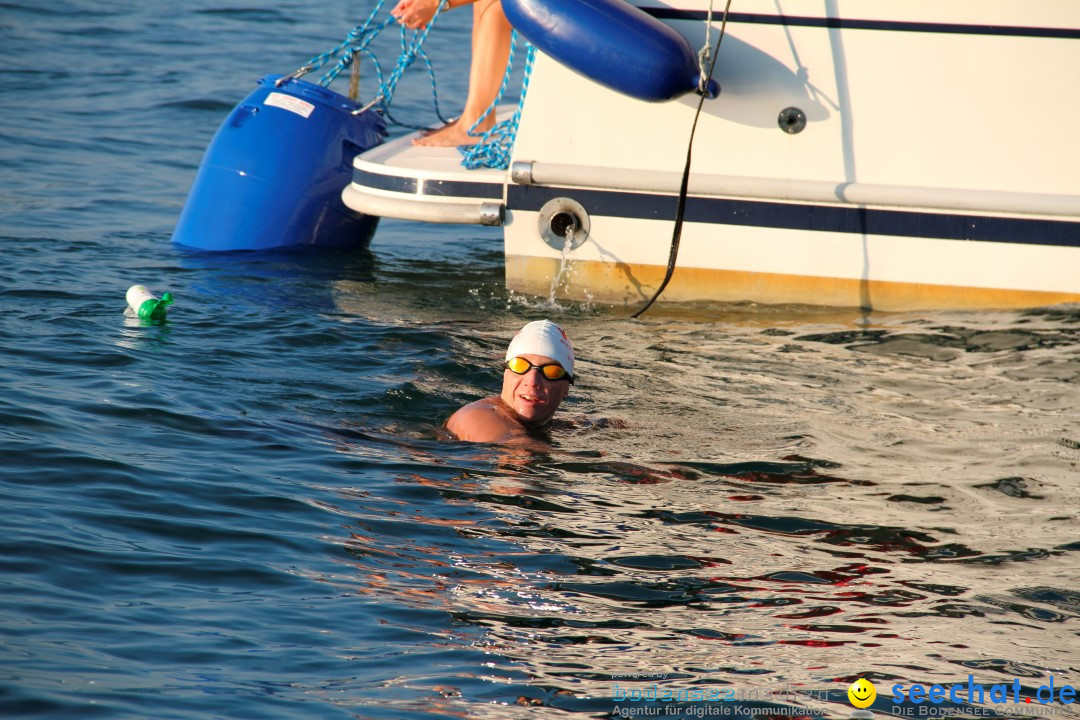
(543, 337)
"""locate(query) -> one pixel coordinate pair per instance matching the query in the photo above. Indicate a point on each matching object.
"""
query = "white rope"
(705, 52)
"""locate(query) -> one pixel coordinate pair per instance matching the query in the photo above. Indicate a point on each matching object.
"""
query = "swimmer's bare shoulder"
(485, 421)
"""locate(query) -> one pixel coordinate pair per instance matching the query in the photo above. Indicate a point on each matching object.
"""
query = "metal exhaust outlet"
(563, 219)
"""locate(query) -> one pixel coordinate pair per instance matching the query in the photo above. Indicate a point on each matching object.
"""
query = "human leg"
(490, 53)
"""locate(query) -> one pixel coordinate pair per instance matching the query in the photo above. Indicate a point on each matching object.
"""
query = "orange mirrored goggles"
(551, 371)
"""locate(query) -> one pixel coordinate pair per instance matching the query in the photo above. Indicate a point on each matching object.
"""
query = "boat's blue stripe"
(855, 24)
(440, 188)
(816, 218)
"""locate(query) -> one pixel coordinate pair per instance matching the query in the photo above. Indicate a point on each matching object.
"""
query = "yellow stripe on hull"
(632, 284)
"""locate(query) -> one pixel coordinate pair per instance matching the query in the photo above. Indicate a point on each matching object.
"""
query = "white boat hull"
(937, 166)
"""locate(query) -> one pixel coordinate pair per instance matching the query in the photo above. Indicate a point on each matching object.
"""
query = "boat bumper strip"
(414, 208)
(789, 190)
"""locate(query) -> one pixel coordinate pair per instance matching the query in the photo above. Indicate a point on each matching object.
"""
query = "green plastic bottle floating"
(147, 307)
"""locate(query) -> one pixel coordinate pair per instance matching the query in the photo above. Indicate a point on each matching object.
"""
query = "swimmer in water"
(537, 375)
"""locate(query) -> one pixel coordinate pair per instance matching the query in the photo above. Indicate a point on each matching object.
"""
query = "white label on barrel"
(288, 102)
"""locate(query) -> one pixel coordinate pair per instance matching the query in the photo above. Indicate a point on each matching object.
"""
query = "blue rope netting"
(494, 148)
(497, 144)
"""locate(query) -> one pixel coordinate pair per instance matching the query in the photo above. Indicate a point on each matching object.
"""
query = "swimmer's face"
(532, 396)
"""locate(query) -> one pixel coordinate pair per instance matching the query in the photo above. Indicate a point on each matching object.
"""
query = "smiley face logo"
(862, 693)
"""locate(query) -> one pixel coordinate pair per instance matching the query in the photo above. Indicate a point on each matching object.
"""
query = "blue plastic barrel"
(611, 42)
(273, 174)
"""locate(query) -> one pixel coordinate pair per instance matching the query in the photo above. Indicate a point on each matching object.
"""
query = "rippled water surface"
(247, 512)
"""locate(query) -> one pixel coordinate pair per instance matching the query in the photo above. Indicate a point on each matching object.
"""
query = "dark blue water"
(247, 512)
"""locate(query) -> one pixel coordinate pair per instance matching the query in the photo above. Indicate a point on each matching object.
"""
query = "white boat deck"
(400, 157)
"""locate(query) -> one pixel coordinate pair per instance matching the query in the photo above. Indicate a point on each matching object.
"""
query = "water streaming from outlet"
(566, 267)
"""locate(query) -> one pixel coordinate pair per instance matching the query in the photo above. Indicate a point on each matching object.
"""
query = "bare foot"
(452, 135)
(427, 131)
